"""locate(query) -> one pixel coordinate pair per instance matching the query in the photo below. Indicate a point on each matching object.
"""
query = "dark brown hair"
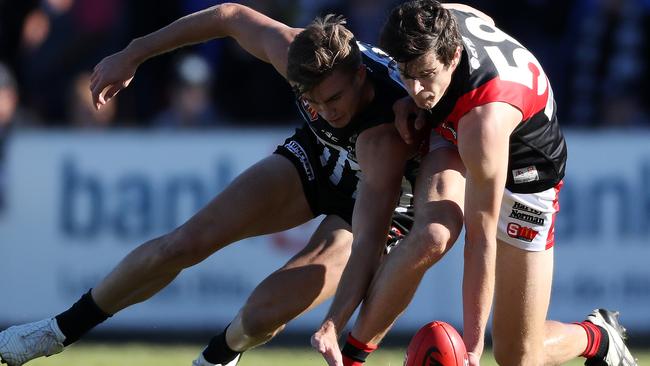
(417, 27)
(324, 46)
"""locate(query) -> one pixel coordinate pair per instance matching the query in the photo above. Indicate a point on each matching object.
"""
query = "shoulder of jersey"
(479, 66)
(500, 68)
(380, 63)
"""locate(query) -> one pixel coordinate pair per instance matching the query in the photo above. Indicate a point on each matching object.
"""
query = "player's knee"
(516, 352)
(430, 243)
(335, 256)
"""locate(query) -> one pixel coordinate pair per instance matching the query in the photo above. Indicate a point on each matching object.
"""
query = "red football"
(436, 344)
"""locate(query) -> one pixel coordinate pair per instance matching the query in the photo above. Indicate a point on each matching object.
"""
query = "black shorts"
(304, 151)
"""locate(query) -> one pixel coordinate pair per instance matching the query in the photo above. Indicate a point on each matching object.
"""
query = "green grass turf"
(166, 355)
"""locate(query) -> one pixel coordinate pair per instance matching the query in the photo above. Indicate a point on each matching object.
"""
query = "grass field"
(148, 355)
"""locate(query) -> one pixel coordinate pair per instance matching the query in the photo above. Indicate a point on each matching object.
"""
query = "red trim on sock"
(590, 338)
(351, 362)
(593, 338)
(369, 347)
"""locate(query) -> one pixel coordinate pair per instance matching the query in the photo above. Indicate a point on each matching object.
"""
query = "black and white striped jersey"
(337, 145)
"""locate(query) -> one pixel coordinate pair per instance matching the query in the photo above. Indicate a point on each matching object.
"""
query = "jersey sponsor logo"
(525, 175)
(524, 216)
(450, 128)
(311, 112)
(521, 232)
(300, 153)
(521, 207)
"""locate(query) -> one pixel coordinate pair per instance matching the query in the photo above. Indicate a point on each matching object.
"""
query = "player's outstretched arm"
(382, 157)
(483, 136)
(261, 36)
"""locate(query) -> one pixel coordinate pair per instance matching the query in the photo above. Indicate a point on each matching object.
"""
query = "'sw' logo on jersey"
(521, 232)
(311, 112)
(448, 126)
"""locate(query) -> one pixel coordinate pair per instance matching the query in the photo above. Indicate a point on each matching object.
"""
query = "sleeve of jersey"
(497, 90)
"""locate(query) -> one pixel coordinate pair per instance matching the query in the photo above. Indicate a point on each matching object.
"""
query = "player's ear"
(457, 54)
(361, 73)
(297, 90)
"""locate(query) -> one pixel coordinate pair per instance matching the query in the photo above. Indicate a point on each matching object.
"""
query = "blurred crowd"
(593, 51)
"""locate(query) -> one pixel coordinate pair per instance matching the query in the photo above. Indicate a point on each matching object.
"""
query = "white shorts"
(527, 220)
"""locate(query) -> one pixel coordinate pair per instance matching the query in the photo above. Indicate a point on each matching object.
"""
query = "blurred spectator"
(81, 112)
(59, 39)
(542, 26)
(592, 50)
(610, 63)
(309, 9)
(8, 103)
(210, 51)
(10, 116)
(250, 91)
(190, 103)
(285, 11)
(366, 17)
(145, 97)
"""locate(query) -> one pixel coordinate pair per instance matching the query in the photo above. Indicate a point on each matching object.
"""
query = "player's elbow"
(227, 8)
(226, 11)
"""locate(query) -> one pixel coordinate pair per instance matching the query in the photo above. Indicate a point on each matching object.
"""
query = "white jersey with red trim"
(495, 67)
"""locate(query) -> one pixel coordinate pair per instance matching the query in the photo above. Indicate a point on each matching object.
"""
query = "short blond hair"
(324, 46)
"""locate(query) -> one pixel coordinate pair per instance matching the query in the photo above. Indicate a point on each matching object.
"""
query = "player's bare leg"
(307, 280)
(521, 333)
(438, 222)
(522, 293)
(562, 342)
(265, 198)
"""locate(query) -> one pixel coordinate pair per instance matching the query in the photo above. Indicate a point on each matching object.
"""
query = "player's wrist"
(474, 339)
(328, 325)
(474, 342)
(137, 51)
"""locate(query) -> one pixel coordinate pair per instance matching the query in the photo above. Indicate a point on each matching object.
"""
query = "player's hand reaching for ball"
(325, 341)
(474, 358)
(111, 75)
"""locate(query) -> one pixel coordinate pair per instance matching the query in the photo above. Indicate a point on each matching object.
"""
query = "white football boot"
(200, 361)
(21, 343)
(617, 353)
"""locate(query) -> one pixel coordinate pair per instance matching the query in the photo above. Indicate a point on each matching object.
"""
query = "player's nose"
(327, 113)
(414, 87)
